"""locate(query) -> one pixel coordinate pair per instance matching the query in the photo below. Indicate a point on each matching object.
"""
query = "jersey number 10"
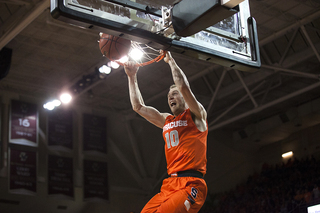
(172, 139)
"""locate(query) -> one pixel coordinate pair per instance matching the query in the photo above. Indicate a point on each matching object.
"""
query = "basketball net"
(148, 54)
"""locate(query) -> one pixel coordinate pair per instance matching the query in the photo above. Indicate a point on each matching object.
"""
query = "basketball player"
(185, 134)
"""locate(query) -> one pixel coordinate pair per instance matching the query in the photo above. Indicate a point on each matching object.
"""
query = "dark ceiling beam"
(288, 46)
(299, 57)
(216, 91)
(263, 73)
(236, 104)
(302, 74)
(33, 13)
(265, 106)
(306, 35)
(296, 25)
(246, 88)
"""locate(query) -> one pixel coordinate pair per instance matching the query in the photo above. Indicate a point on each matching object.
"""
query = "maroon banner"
(60, 131)
(94, 133)
(23, 123)
(60, 176)
(95, 180)
(23, 171)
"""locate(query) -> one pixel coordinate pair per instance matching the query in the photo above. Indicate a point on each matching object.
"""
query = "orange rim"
(157, 59)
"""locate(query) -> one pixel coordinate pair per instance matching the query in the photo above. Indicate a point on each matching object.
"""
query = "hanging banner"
(60, 130)
(95, 176)
(94, 133)
(23, 123)
(60, 176)
(23, 172)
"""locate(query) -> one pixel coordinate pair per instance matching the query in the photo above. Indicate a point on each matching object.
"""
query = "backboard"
(228, 36)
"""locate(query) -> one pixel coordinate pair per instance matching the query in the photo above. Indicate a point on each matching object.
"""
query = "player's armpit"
(152, 115)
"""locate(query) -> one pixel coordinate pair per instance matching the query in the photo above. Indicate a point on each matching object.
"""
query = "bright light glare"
(56, 102)
(52, 104)
(124, 59)
(136, 54)
(287, 154)
(65, 98)
(105, 69)
(48, 106)
(114, 65)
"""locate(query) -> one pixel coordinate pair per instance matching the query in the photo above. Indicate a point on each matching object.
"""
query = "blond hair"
(172, 86)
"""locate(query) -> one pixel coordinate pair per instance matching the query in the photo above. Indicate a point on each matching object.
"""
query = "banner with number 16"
(23, 123)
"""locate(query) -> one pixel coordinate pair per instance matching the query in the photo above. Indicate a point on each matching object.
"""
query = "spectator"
(281, 188)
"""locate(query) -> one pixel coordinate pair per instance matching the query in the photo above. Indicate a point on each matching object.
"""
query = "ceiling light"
(48, 106)
(56, 102)
(287, 154)
(105, 69)
(65, 98)
(52, 104)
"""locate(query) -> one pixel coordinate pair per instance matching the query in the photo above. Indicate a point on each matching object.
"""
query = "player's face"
(176, 101)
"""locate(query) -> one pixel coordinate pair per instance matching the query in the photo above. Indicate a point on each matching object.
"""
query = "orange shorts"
(177, 195)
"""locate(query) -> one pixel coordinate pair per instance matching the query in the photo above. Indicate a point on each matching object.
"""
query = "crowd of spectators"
(283, 188)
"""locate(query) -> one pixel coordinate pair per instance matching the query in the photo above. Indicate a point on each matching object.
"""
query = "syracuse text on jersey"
(175, 124)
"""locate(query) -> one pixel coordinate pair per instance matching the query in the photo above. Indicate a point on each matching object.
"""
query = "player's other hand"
(131, 68)
(168, 57)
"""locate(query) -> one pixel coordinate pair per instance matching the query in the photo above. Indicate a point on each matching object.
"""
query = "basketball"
(113, 47)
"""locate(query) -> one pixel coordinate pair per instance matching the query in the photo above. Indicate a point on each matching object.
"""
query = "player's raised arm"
(149, 113)
(182, 84)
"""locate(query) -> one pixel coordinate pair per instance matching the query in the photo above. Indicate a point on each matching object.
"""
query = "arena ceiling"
(49, 55)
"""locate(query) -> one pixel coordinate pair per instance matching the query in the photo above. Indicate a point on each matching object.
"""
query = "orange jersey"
(186, 146)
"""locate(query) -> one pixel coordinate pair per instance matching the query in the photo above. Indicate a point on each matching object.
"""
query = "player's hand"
(168, 57)
(131, 68)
